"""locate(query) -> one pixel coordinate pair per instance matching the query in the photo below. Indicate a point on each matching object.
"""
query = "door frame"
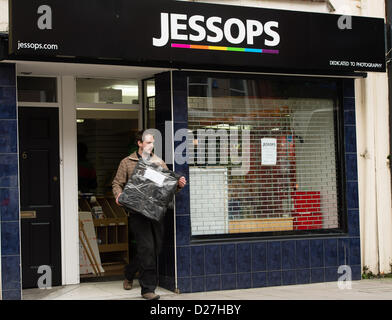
(69, 222)
(59, 107)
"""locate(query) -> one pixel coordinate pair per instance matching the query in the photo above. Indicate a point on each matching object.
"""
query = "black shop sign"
(192, 35)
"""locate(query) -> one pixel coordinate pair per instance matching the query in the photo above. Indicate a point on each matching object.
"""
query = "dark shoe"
(150, 296)
(127, 285)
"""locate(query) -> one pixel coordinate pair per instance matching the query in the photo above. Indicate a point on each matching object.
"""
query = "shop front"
(255, 107)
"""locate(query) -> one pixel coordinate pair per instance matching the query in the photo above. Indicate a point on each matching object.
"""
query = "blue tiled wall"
(163, 114)
(235, 265)
(9, 191)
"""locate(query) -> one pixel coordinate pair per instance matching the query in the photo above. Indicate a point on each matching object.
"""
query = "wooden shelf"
(110, 222)
(260, 225)
(113, 247)
(112, 232)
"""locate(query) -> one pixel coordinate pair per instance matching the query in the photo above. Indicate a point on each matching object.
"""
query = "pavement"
(367, 289)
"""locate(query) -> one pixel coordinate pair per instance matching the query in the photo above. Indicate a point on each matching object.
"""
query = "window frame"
(342, 212)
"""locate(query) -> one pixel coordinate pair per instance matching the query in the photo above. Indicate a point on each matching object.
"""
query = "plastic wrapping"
(149, 190)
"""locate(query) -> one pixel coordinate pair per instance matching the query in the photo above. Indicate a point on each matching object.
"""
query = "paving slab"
(369, 289)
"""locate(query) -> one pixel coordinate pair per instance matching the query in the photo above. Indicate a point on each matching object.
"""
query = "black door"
(39, 195)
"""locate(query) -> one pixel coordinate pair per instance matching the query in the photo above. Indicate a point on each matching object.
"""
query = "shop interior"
(107, 120)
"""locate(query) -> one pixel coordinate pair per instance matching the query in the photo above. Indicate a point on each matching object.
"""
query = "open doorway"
(107, 115)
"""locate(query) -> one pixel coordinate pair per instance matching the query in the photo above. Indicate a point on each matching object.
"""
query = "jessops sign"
(196, 35)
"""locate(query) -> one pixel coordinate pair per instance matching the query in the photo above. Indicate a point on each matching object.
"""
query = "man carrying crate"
(147, 233)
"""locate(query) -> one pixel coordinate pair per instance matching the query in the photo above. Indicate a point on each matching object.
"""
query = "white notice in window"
(268, 152)
(154, 176)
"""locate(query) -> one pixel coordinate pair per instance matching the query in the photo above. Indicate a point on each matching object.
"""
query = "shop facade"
(264, 132)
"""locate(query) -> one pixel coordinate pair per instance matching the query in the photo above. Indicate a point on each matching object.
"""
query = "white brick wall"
(209, 200)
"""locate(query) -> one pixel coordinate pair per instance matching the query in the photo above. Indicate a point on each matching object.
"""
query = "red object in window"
(307, 210)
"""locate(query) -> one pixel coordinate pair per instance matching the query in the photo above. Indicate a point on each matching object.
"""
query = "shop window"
(107, 91)
(263, 156)
(37, 89)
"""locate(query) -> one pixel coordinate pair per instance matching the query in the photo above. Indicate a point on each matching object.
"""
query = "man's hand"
(117, 200)
(182, 182)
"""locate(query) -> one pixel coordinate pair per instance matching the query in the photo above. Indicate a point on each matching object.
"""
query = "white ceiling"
(85, 70)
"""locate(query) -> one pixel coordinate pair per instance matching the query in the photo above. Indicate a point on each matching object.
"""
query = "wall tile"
(331, 252)
(8, 136)
(317, 275)
(274, 278)
(303, 276)
(182, 201)
(183, 169)
(183, 229)
(10, 238)
(197, 261)
(316, 253)
(8, 171)
(288, 254)
(10, 271)
(350, 139)
(212, 260)
(351, 167)
(198, 284)
(356, 272)
(352, 195)
(349, 117)
(243, 257)
(348, 88)
(180, 105)
(9, 204)
(7, 74)
(302, 251)
(228, 259)
(183, 261)
(259, 279)
(12, 295)
(288, 277)
(179, 80)
(184, 285)
(343, 252)
(8, 102)
(259, 257)
(244, 280)
(331, 274)
(213, 283)
(229, 281)
(349, 105)
(355, 251)
(162, 113)
(274, 256)
(353, 223)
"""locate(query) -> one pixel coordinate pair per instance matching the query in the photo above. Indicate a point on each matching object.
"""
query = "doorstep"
(108, 290)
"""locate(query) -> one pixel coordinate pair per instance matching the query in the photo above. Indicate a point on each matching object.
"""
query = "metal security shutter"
(297, 192)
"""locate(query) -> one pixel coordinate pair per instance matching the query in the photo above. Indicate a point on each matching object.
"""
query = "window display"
(268, 150)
